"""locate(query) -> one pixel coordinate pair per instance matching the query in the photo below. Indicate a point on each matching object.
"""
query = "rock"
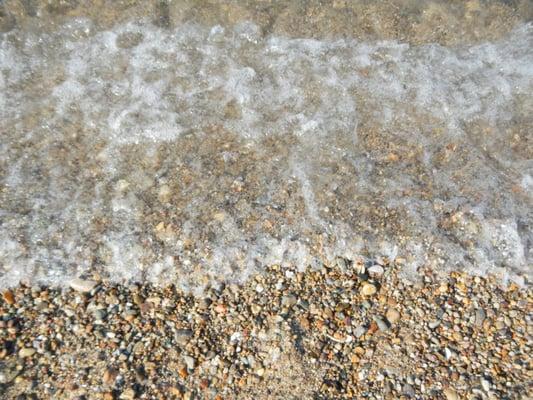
(368, 289)
(190, 362)
(109, 376)
(82, 285)
(480, 317)
(392, 315)
(99, 315)
(183, 336)
(204, 303)
(359, 331)
(450, 394)
(8, 297)
(376, 271)
(164, 193)
(128, 394)
(485, 384)
(8, 372)
(26, 352)
(448, 353)
(408, 390)
(221, 308)
(382, 324)
(288, 301)
(434, 324)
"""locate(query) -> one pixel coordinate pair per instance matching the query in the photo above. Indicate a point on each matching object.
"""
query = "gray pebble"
(383, 325)
(480, 317)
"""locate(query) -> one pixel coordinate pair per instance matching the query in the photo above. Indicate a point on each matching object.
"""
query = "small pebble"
(26, 352)
(392, 315)
(83, 286)
(368, 289)
(383, 325)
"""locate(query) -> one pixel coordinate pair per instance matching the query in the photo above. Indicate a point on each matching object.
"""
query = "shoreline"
(330, 333)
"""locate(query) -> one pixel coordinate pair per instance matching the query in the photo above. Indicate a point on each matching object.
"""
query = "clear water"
(201, 153)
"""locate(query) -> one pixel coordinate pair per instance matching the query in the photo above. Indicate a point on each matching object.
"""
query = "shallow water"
(202, 150)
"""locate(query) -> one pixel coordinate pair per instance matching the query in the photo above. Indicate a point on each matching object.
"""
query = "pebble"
(83, 286)
(408, 390)
(288, 300)
(376, 271)
(183, 336)
(190, 362)
(392, 315)
(110, 375)
(26, 352)
(450, 394)
(368, 289)
(434, 324)
(128, 394)
(8, 297)
(359, 331)
(480, 317)
(382, 324)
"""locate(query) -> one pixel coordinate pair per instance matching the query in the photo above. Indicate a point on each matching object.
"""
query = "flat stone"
(434, 324)
(376, 271)
(82, 285)
(26, 352)
(99, 315)
(128, 394)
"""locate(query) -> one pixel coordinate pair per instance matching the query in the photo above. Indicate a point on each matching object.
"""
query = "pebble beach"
(266, 200)
(326, 334)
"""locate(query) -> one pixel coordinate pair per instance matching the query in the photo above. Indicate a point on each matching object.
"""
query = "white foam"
(325, 94)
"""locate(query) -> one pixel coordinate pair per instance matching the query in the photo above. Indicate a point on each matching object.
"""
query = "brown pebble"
(8, 297)
(183, 372)
(221, 308)
(110, 375)
(204, 384)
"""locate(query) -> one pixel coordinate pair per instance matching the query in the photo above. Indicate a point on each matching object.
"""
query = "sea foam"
(205, 153)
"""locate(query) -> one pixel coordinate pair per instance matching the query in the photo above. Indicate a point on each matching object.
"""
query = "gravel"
(312, 335)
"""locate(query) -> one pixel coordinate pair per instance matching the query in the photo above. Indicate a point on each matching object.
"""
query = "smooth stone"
(82, 285)
(392, 315)
(26, 352)
(99, 315)
(128, 394)
(376, 271)
(288, 300)
(368, 289)
(408, 390)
